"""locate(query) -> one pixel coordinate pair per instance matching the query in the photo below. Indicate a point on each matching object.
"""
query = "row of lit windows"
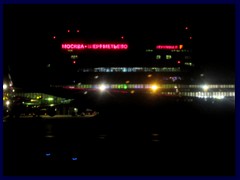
(183, 50)
(163, 86)
(209, 86)
(131, 69)
(203, 94)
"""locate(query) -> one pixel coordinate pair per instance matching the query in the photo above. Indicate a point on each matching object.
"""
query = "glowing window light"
(168, 56)
(158, 56)
(50, 99)
(169, 47)
(95, 46)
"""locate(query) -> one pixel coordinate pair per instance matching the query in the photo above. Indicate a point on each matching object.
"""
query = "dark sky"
(29, 28)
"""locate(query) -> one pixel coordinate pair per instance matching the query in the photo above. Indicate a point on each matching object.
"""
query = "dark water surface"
(141, 136)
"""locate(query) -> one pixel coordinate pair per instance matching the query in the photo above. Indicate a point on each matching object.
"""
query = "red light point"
(190, 37)
(54, 37)
(74, 62)
(68, 30)
(122, 37)
(78, 31)
(178, 62)
(186, 28)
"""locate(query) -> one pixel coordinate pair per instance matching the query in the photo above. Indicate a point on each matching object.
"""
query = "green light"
(50, 99)
(125, 86)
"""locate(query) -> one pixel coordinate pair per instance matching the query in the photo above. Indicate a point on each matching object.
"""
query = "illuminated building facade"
(118, 59)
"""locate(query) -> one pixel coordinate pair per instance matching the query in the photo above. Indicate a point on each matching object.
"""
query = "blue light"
(74, 158)
(48, 154)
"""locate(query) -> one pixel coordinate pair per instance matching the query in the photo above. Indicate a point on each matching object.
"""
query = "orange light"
(180, 46)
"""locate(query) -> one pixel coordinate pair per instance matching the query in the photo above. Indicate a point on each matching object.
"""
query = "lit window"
(158, 57)
(168, 56)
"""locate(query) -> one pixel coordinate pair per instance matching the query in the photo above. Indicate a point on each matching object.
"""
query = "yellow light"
(180, 46)
(154, 87)
(127, 82)
(132, 92)
(149, 75)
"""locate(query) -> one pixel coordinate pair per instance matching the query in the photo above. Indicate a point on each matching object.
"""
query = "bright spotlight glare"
(7, 103)
(154, 87)
(102, 87)
(205, 87)
(4, 86)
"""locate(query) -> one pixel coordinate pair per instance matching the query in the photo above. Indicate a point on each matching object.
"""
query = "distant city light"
(95, 46)
(154, 87)
(74, 62)
(190, 37)
(180, 46)
(74, 158)
(48, 154)
(170, 47)
(50, 99)
(178, 62)
(7, 103)
(54, 37)
(68, 30)
(186, 28)
(122, 37)
(102, 87)
(78, 31)
(4, 86)
(205, 87)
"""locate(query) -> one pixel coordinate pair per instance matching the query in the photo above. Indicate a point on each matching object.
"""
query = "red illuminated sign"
(170, 47)
(94, 46)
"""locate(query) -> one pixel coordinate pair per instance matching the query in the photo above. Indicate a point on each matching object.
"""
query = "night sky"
(28, 31)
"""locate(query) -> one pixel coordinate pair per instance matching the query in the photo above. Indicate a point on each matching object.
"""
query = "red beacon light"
(78, 31)
(186, 28)
(74, 62)
(122, 37)
(68, 31)
(178, 62)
